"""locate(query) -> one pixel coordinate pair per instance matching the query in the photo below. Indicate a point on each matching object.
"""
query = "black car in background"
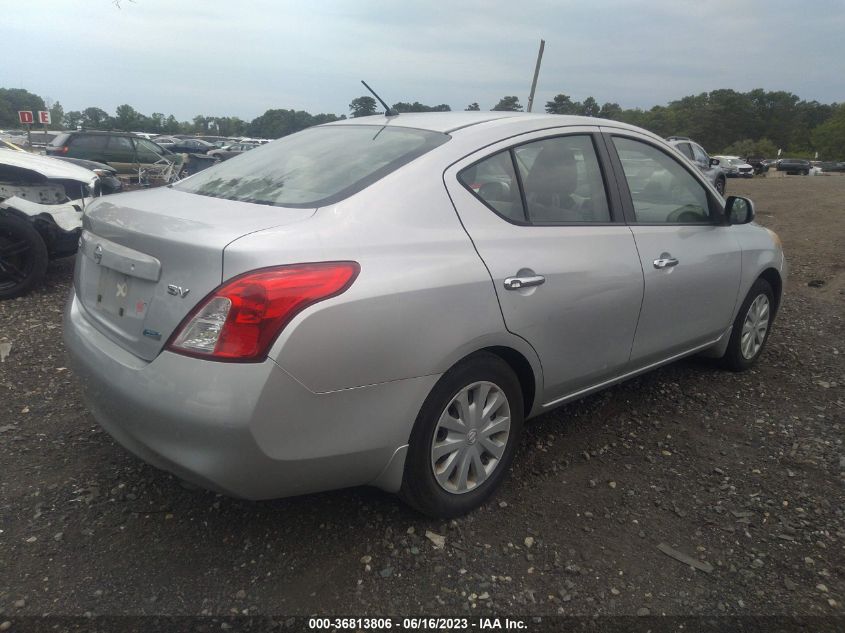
(760, 164)
(794, 166)
(191, 146)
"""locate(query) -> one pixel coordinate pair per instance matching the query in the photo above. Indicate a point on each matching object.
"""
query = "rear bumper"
(249, 430)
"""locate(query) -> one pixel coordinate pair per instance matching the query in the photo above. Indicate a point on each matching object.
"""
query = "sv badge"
(178, 291)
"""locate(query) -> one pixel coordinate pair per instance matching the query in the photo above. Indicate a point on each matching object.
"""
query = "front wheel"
(23, 256)
(751, 327)
(464, 438)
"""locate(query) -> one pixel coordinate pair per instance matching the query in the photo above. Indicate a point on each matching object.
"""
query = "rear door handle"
(517, 283)
(665, 262)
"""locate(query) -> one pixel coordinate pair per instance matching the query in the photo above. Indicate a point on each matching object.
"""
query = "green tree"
(156, 123)
(829, 137)
(14, 99)
(96, 119)
(416, 106)
(590, 107)
(472, 107)
(73, 120)
(563, 104)
(610, 111)
(171, 125)
(362, 106)
(127, 118)
(508, 104)
(57, 115)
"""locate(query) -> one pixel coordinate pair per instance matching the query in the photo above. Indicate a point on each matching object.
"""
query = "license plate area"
(120, 296)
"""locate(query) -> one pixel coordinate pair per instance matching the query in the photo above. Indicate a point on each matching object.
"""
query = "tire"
(742, 353)
(482, 375)
(720, 186)
(23, 256)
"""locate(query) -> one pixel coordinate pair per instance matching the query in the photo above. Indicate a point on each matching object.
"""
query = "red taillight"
(240, 320)
(63, 149)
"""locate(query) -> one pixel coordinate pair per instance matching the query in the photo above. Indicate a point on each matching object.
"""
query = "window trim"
(717, 211)
(614, 202)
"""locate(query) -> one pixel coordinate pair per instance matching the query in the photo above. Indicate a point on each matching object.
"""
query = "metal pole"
(536, 74)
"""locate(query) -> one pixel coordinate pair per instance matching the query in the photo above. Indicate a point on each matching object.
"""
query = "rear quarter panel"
(422, 301)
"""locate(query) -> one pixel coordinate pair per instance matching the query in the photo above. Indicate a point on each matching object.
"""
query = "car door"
(563, 263)
(691, 260)
(147, 153)
(87, 146)
(120, 154)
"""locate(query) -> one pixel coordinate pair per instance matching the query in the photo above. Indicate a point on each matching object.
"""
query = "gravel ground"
(744, 473)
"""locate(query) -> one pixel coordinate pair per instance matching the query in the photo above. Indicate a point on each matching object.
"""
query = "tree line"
(757, 122)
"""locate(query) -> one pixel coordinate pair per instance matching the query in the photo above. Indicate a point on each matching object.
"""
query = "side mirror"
(739, 210)
(715, 162)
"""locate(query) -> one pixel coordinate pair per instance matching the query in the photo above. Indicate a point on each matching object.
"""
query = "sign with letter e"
(44, 117)
(25, 116)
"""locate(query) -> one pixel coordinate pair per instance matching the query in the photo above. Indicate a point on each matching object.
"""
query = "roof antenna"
(387, 110)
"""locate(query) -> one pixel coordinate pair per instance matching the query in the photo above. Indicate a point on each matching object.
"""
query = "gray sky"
(227, 57)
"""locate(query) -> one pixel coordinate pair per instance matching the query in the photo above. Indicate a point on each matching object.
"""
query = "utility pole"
(536, 74)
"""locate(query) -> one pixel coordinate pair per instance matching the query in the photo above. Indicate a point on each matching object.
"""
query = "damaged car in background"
(41, 204)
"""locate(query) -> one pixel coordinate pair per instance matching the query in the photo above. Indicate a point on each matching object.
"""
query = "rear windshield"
(315, 167)
(59, 140)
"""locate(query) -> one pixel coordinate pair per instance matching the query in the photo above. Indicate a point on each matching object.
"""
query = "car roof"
(103, 132)
(448, 122)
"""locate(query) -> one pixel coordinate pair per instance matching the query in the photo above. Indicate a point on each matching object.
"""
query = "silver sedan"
(385, 300)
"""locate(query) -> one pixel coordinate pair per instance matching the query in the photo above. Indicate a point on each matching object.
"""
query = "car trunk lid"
(147, 258)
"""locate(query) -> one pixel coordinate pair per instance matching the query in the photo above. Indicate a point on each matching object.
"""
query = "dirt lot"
(743, 471)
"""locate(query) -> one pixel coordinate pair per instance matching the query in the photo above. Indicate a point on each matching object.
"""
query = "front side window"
(147, 152)
(662, 191)
(121, 144)
(315, 167)
(562, 181)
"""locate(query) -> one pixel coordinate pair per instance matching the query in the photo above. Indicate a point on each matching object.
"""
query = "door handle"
(665, 262)
(517, 283)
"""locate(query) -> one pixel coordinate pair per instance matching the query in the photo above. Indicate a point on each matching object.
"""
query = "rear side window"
(494, 181)
(88, 141)
(562, 180)
(556, 180)
(315, 167)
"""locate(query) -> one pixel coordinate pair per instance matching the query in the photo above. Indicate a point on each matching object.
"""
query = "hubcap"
(755, 326)
(470, 437)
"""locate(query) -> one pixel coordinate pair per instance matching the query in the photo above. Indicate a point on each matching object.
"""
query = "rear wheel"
(23, 256)
(464, 439)
(720, 186)
(751, 327)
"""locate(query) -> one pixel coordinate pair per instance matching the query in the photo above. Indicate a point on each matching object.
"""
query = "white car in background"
(735, 167)
(41, 204)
